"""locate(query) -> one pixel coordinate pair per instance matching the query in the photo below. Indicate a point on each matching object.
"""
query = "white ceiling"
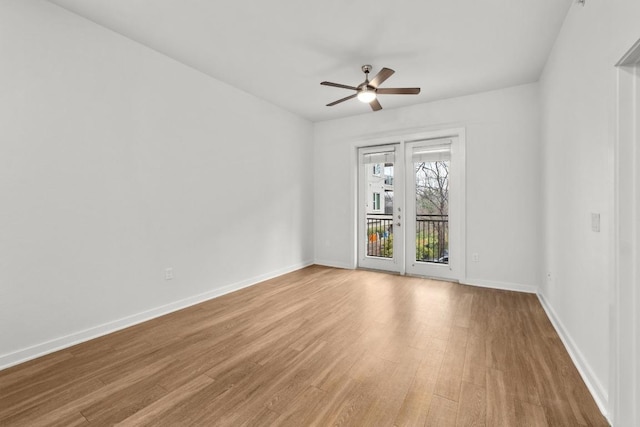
(280, 50)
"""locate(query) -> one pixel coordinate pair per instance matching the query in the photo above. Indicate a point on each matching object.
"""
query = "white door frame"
(389, 264)
(625, 329)
(450, 271)
(401, 138)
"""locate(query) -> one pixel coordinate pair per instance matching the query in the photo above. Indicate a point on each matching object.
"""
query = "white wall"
(116, 162)
(502, 180)
(576, 94)
(578, 90)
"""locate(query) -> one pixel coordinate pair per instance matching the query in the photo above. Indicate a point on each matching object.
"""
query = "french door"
(380, 199)
(431, 209)
(409, 207)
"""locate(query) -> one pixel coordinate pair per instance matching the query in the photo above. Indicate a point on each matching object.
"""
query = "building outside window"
(376, 201)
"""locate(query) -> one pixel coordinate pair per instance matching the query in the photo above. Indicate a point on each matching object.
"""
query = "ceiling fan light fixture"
(366, 95)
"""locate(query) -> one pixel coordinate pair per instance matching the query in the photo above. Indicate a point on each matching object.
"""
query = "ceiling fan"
(368, 91)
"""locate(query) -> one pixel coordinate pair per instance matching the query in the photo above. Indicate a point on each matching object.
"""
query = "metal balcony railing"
(380, 235)
(432, 237)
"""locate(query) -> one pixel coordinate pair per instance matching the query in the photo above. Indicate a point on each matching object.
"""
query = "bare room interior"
(419, 213)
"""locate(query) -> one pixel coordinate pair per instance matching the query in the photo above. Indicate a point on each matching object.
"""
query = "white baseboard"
(598, 392)
(517, 287)
(38, 350)
(334, 264)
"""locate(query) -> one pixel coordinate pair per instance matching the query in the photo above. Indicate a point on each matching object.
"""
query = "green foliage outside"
(386, 243)
(431, 250)
(387, 247)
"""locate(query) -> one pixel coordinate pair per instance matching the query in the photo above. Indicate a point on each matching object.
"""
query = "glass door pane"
(379, 211)
(377, 240)
(429, 201)
(432, 210)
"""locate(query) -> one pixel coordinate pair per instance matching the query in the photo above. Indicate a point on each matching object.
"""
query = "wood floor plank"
(354, 407)
(416, 403)
(479, 318)
(559, 413)
(130, 400)
(303, 409)
(12, 378)
(262, 417)
(582, 405)
(421, 337)
(344, 395)
(330, 378)
(103, 394)
(70, 371)
(153, 412)
(238, 408)
(530, 415)
(463, 310)
(319, 346)
(520, 378)
(48, 401)
(452, 369)
(500, 405)
(472, 408)
(298, 378)
(474, 361)
(442, 413)
(72, 419)
(392, 392)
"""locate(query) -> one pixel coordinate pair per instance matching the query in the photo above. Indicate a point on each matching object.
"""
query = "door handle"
(398, 224)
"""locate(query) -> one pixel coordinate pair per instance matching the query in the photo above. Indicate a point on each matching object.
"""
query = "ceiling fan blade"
(342, 100)
(398, 91)
(383, 75)
(375, 105)
(338, 85)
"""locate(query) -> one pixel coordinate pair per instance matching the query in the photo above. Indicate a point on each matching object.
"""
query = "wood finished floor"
(319, 346)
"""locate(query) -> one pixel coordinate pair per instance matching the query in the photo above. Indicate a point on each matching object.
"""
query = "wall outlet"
(168, 273)
(475, 257)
